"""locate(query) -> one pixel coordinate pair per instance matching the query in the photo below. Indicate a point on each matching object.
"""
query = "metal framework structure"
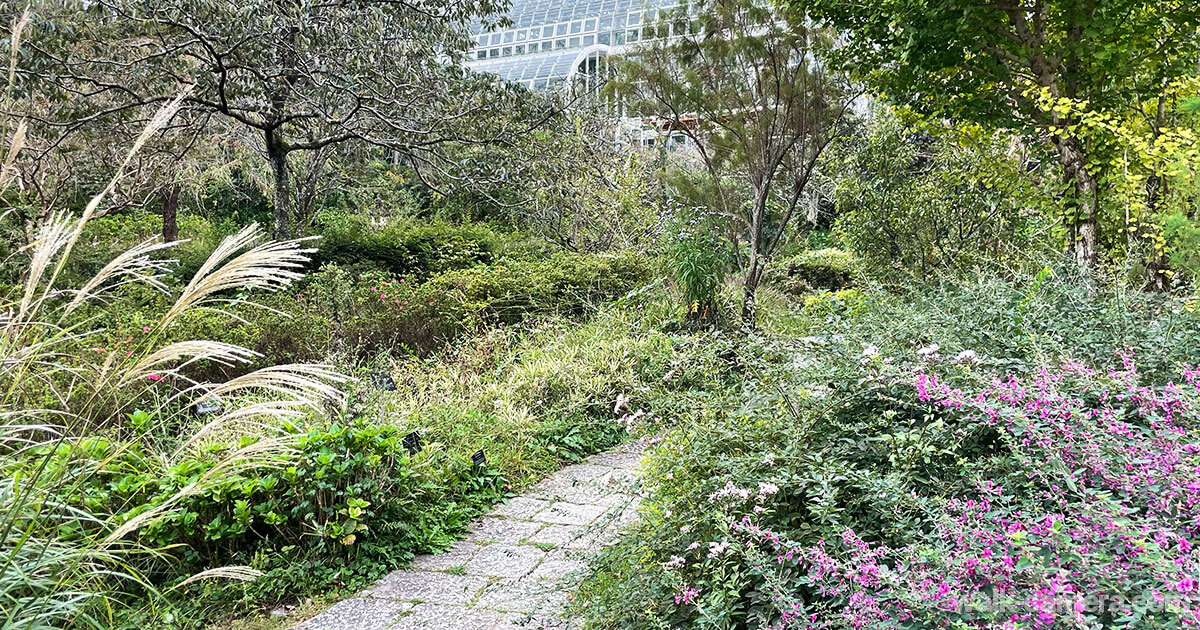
(553, 44)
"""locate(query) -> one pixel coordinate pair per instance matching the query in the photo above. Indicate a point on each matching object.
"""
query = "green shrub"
(828, 269)
(1183, 244)
(694, 255)
(356, 316)
(416, 251)
(509, 291)
(352, 496)
(810, 436)
(925, 204)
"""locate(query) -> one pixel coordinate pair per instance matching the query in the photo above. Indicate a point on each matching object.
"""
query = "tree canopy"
(296, 76)
(1011, 63)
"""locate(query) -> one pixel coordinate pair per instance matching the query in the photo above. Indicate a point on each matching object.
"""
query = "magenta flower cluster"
(1094, 526)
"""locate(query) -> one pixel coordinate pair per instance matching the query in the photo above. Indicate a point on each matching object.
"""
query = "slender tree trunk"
(754, 272)
(170, 213)
(282, 199)
(754, 268)
(1084, 226)
(277, 150)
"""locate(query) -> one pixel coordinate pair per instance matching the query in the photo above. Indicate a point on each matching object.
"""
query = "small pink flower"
(145, 329)
(154, 377)
(686, 596)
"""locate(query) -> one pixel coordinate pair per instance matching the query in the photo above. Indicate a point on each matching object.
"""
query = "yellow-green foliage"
(825, 304)
(509, 291)
(829, 269)
(531, 398)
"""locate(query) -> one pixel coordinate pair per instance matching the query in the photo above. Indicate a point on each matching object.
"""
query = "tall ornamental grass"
(61, 389)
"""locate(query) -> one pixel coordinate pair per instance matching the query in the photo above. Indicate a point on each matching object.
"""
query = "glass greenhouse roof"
(548, 39)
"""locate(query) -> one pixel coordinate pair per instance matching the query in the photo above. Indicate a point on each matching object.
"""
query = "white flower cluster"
(967, 357)
(730, 491)
(715, 549)
(766, 489)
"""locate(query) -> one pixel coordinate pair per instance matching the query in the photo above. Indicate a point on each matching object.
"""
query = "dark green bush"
(509, 291)
(823, 269)
(359, 316)
(911, 203)
(402, 249)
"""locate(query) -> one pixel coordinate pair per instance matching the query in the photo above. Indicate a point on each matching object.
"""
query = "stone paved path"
(519, 563)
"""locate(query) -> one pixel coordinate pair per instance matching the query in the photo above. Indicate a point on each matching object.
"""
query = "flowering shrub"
(1090, 521)
(831, 415)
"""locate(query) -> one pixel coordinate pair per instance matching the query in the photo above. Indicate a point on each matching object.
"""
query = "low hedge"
(509, 291)
(827, 269)
(416, 251)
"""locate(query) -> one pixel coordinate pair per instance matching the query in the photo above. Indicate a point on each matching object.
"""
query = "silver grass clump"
(46, 582)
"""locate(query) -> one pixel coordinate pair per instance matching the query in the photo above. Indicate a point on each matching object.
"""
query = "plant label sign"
(206, 408)
(411, 442)
(383, 382)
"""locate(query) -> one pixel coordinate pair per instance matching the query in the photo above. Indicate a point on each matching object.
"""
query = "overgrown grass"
(533, 396)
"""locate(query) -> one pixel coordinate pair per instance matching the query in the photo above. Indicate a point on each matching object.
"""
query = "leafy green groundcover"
(350, 503)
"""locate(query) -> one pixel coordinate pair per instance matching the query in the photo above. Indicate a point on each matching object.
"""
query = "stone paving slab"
(491, 529)
(436, 617)
(358, 614)
(564, 513)
(428, 586)
(501, 560)
(519, 564)
(457, 556)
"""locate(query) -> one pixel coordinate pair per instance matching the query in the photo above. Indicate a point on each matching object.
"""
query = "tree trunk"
(1084, 226)
(754, 274)
(282, 199)
(754, 268)
(170, 213)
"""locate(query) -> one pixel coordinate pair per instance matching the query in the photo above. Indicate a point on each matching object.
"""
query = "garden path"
(518, 565)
